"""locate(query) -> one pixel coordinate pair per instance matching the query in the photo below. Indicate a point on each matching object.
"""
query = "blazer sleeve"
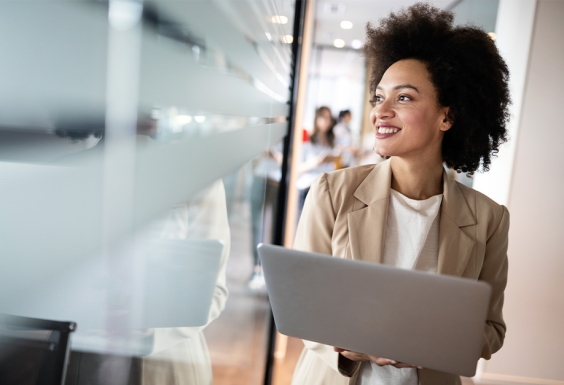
(494, 272)
(314, 233)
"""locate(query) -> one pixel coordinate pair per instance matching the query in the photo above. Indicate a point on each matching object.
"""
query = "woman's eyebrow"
(401, 86)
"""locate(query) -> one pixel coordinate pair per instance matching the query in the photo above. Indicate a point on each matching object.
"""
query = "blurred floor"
(237, 339)
(284, 366)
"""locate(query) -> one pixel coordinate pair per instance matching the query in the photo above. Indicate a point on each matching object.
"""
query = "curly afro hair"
(466, 69)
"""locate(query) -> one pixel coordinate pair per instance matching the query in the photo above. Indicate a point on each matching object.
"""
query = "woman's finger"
(380, 361)
(402, 365)
(354, 356)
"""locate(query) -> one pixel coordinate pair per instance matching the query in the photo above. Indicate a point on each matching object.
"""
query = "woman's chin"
(383, 152)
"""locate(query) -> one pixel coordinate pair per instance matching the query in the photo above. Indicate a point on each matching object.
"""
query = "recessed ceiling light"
(492, 35)
(288, 39)
(356, 44)
(278, 19)
(339, 43)
(345, 24)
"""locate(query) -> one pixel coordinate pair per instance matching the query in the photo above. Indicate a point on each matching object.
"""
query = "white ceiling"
(330, 13)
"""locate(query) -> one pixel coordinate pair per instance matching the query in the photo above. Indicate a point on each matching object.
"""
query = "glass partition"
(140, 159)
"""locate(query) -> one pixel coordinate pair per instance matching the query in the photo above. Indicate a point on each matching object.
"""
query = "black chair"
(33, 351)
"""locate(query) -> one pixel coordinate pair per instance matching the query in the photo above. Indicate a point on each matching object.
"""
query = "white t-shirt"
(411, 242)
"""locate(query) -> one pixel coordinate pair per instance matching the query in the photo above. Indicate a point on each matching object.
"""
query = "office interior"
(146, 147)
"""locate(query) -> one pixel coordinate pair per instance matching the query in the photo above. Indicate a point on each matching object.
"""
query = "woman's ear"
(446, 124)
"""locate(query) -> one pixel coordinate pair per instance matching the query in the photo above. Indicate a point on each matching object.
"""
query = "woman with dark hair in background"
(318, 154)
(440, 95)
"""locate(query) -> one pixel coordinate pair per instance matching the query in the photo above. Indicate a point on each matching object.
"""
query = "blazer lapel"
(367, 223)
(455, 246)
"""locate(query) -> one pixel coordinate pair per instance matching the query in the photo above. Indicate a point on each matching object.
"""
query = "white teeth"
(384, 130)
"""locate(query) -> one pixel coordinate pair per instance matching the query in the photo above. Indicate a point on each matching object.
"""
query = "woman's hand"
(353, 356)
(380, 361)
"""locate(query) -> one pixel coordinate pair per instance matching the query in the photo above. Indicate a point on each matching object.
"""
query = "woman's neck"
(417, 180)
(322, 138)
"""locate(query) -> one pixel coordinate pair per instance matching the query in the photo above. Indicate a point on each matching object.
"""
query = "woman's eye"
(404, 98)
(375, 100)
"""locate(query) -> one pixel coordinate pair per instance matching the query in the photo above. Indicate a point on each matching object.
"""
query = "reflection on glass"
(263, 200)
(172, 123)
(251, 200)
(128, 233)
(180, 355)
(149, 296)
(33, 351)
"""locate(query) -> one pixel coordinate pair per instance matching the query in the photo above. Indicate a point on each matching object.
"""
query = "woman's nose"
(383, 110)
(380, 111)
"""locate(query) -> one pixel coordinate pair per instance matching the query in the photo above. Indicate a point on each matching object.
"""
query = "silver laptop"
(423, 319)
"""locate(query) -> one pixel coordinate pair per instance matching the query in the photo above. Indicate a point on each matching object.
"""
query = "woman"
(440, 95)
(317, 152)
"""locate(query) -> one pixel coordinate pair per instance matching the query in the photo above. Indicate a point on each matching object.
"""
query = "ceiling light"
(492, 35)
(268, 36)
(356, 44)
(279, 19)
(288, 39)
(345, 24)
(200, 118)
(339, 43)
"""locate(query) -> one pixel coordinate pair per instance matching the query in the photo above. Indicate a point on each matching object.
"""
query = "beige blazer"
(345, 215)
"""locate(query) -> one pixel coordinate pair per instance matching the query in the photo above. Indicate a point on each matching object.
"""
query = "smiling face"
(408, 120)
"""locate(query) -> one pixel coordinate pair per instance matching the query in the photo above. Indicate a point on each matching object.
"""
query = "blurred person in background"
(318, 153)
(344, 139)
(179, 355)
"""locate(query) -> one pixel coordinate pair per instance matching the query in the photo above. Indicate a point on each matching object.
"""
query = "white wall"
(514, 29)
(534, 310)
